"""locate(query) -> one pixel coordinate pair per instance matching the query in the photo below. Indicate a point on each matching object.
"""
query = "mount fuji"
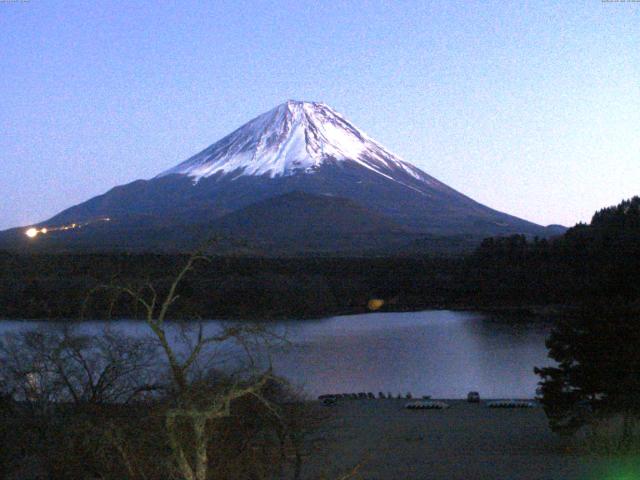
(298, 178)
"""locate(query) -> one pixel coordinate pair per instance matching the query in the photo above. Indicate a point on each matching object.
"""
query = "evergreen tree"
(598, 368)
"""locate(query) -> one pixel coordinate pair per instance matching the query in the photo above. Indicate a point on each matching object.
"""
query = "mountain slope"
(298, 222)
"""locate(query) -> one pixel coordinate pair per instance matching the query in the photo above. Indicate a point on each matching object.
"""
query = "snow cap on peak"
(294, 137)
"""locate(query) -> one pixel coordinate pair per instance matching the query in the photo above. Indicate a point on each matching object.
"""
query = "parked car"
(473, 397)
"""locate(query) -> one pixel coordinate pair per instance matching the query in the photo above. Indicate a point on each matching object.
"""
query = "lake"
(440, 353)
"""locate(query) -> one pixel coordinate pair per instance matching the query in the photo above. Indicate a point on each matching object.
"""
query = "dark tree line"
(55, 286)
(596, 261)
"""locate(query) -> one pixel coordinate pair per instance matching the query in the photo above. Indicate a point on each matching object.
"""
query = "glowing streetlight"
(32, 232)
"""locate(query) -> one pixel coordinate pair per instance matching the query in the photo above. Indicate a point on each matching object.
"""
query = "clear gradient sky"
(530, 107)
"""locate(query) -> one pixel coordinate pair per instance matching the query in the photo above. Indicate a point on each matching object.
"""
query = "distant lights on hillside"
(34, 232)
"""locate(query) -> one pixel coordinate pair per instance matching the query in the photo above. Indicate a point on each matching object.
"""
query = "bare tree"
(84, 400)
(61, 389)
(52, 365)
(197, 403)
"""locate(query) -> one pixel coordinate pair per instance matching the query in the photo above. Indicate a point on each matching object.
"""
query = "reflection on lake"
(444, 354)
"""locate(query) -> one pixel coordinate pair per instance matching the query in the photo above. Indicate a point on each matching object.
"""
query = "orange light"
(375, 303)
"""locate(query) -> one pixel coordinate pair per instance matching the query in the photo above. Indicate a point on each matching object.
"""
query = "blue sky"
(531, 107)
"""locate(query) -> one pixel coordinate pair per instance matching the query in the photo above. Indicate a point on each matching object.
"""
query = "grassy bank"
(384, 440)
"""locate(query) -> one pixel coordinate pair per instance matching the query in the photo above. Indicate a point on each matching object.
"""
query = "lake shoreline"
(512, 313)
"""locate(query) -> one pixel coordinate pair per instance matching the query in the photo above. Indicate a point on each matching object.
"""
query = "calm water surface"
(440, 353)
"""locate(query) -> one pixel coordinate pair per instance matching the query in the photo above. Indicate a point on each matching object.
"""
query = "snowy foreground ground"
(467, 441)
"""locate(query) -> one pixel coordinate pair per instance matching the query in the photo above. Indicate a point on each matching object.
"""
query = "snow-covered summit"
(295, 137)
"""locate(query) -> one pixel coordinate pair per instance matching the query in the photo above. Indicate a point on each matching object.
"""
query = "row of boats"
(367, 396)
(439, 405)
(425, 403)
